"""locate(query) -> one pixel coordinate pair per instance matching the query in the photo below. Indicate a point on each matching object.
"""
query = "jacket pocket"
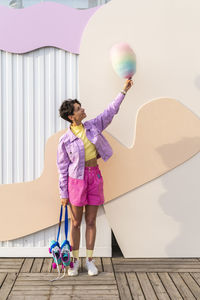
(71, 151)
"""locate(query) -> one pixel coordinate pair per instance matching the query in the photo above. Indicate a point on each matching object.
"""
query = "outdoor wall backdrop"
(32, 87)
(151, 182)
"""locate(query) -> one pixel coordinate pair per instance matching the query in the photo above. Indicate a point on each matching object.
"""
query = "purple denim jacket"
(71, 152)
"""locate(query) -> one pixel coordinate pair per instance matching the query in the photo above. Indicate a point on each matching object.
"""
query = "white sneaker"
(90, 266)
(74, 271)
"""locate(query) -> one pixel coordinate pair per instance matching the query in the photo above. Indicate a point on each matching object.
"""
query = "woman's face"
(79, 113)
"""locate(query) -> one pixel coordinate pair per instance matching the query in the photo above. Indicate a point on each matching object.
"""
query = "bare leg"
(77, 212)
(90, 219)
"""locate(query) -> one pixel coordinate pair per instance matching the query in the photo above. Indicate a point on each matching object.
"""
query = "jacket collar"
(72, 136)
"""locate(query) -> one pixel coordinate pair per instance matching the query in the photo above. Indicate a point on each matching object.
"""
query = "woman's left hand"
(128, 85)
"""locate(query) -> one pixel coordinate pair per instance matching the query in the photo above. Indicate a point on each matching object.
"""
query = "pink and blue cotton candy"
(123, 60)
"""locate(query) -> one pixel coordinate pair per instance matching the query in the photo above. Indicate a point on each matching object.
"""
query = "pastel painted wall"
(151, 182)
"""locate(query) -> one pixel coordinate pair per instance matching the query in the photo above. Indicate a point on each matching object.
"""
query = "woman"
(80, 180)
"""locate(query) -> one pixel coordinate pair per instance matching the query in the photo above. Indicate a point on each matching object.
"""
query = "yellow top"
(90, 149)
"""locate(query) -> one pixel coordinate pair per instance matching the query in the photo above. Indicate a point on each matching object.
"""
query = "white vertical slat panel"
(29, 111)
(60, 82)
(32, 88)
(1, 118)
(19, 132)
(8, 117)
(51, 91)
(40, 108)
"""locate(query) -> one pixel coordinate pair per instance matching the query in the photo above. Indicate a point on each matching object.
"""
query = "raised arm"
(105, 118)
(63, 164)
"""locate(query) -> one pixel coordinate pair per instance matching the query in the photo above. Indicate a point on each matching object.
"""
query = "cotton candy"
(123, 60)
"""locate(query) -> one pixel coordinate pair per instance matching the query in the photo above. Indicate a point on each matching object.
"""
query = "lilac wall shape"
(43, 24)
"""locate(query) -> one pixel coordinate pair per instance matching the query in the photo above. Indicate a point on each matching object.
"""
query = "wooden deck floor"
(119, 278)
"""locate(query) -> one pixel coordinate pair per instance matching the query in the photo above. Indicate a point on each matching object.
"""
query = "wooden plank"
(146, 286)
(107, 264)
(13, 270)
(117, 260)
(181, 286)
(103, 288)
(2, 278)
(134, 285)
(65, 297)
(196, 276)
(7, 285)
(47, 265)
(149, 264)
(10, 263)
(66, 290)
(30, 298)
(81, 279)
(81, 276)
(11, 260)
(169, 286)
(158, 287)
(64, 281)
(26, 267)
(155, 268)
(37, 265)
(98, 263)
(123, 287)
(191, 283)
(82, 265)
(8, 270)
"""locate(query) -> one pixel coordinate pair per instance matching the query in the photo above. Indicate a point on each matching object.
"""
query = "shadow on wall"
(181, 199)
(170, 153)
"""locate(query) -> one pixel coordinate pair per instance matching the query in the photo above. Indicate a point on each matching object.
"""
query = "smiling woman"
(81, 4)
(80, 179)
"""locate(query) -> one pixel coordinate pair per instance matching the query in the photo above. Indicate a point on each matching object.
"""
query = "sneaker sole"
(73, 274)
(91, 274)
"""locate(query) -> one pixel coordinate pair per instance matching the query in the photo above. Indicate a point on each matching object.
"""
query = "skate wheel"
(71, 264)
(49, 250)
(63, 266)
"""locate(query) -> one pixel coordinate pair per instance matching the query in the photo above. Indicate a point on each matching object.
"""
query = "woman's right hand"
(128, 84)
(64, 201)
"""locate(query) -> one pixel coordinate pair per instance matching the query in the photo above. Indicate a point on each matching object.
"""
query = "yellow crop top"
(90, 149)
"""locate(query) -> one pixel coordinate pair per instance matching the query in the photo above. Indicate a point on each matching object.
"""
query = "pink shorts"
(87, 191)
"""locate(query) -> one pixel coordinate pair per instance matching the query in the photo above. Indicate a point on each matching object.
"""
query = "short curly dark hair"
(67, 108)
